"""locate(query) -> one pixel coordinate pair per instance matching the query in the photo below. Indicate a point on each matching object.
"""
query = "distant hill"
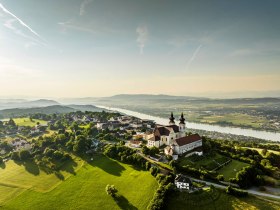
(149, 96)
(20, 103)
(17, 112)
(144, 98)
(84, 108)
(41, 103)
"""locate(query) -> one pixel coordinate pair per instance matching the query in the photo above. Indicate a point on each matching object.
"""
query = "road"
(252, 192)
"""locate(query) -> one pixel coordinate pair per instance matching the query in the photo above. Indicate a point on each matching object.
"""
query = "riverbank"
(265, 135)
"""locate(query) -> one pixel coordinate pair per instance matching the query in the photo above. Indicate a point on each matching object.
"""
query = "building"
(182, 182)
(175, 139)
(135, 143)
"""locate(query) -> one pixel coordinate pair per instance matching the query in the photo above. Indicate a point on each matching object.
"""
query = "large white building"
(175, 139)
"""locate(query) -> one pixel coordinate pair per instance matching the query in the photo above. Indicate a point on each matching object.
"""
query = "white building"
(174, 137)
(182, 182)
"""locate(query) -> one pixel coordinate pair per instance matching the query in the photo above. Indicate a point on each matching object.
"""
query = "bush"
(111, 190)
(220, 177)
(236, 192)
(154, 171)
(148, 166)
(159, 199)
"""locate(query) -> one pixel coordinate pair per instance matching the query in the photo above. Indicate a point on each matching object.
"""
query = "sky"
(93, 48)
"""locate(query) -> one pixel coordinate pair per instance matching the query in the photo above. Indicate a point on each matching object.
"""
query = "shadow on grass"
(31, 167)
(123, 203)
(69, 166)
(3, 165)
(106, 164)
(59, 175)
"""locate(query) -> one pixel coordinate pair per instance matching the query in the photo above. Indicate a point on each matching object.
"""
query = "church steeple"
(182, 126)
(171, 122)
(182, 119)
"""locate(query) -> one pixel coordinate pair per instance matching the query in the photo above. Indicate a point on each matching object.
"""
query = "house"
(102, 126)
(35, 130)
(156, 157)
(113, 124)
(182, 182)
(86, 119)
(175, 139)
(148, 123)
(135, 143)
(20, 144)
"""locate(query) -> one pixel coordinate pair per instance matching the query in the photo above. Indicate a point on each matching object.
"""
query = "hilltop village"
(182, 162)
(171, 139)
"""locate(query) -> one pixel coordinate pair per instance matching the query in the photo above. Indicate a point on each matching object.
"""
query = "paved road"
(252, 192)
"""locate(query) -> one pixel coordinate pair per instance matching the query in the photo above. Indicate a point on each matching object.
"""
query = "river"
(273, 136)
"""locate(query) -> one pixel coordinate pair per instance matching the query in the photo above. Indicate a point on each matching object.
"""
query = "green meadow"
(230, 170)
(17, 177)
(84, 189)
(27, 122)
(214, 199)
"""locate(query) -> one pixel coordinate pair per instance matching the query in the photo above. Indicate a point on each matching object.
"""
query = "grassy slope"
(230, 170)
(86, 190)
(217, 200)
(17, 178)
(209, 162)
(28, 122)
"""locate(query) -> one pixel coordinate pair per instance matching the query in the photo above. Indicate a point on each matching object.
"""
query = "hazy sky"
(77, 48)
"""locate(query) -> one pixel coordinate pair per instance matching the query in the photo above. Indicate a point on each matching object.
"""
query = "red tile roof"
(188, 139)
(166, 130)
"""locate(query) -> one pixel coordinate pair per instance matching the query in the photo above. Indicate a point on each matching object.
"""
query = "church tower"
(182, 126)
(171, 122)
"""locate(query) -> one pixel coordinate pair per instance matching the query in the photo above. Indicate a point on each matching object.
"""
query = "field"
(212, 162)
(230, 170)
(28, 122)
(86, 189)
(209, 162)
(15, 178)
(235, 119)
(216, 199)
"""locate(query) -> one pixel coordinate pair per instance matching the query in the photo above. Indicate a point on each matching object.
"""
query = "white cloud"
(83, 6)
(243, 52)
(143, 36)
(19, 20)
(15, 24)
(195, 53)
(72, 25)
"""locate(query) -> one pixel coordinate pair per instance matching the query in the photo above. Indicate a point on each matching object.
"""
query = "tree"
(81, 144)
(111, 190)
(154, 171)
(24, 154)
(148, 165)
(15, 156)
(220, 177)
(264, 152)
(11, 122)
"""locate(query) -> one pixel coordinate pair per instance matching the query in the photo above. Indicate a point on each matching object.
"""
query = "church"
(175, 139)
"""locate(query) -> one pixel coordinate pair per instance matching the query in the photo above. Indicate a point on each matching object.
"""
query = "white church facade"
(175, 139)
